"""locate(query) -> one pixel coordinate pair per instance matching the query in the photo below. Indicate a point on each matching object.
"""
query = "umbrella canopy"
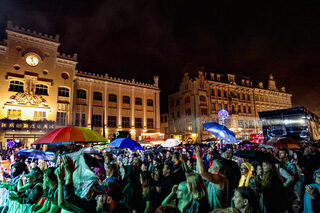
(220, 131)
(33, 153)
(243, 143)
(284, 142)
(255, 155)
(170, 143)
(69, 135)
(126, 143)
(90, 150)
(265, 146)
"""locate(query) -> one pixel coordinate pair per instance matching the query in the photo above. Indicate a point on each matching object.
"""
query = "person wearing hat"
(33, 193)
(246, 170)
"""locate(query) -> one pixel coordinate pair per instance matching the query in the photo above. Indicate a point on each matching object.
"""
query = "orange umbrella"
(284, 142)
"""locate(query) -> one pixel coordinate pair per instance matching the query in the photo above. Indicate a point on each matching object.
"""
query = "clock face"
(32, 59)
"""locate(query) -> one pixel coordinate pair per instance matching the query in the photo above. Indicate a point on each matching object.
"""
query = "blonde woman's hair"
(196, 186)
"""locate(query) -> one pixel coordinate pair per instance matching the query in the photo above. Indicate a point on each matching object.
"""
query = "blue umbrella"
(126, 143)
(33, 153)
(220, 131)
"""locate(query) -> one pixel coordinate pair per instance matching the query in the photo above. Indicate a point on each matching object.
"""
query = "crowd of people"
(186, 179)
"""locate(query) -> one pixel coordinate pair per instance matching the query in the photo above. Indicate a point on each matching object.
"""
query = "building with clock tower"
(41, 90)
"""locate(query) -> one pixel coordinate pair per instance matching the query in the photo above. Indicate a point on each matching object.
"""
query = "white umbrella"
(90, 150)
(170, 143)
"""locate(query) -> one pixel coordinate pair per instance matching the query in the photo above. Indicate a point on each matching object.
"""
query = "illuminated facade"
(42, 90)
(201, 97)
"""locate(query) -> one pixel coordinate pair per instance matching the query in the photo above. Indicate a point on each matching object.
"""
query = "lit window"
(97, 96)
(64, 92)
(41, 89)
(112, 98)
(150, 123)
(80, 119)
(81, 94)
(112, 121)
(138, 101)
(126, 99)
(125, 122)
(39, 116)
(61, 118)
(14, 114)
(96, 120)
(149, 102)
(138, 122)
(16, 86)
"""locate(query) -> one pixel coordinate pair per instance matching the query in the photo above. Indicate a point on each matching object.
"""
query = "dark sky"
(142, 38)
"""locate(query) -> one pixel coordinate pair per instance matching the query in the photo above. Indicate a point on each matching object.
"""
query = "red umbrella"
(284, 142)
(69, 135)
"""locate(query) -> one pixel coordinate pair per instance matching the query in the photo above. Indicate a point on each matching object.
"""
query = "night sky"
(142, 38)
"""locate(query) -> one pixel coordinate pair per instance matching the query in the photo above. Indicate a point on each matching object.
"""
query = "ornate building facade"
(42, 90)
(201, 97)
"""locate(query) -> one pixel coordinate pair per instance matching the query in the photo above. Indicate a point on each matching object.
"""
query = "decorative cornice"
(21, 30)
(105, 78)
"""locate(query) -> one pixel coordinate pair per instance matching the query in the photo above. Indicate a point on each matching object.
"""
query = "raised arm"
(215, 178)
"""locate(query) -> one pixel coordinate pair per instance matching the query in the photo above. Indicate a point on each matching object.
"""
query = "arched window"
(97, 96)
(41, 89)
(149, 102)
(112, 98)
(202, 98)
(138, 101)
(126, 99)
(81, 94)
(64, 92)
(16, 86)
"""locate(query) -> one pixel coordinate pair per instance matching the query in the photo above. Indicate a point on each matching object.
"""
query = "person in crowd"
(312, 195)
(199, 194)
(31, 194)
(168, 181)
(246, 174)
(312, 162)
(286, 163)
(112, 175)
(51, 198)
(183, 196)
(144, 166)
(244, 200)
(273, 195)
(232, 173)
(131, 192)
(109, 202)
(148, 192)
(157, 176)
(217, 183)
(67, 199)
(297, 161)
(169, 155)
